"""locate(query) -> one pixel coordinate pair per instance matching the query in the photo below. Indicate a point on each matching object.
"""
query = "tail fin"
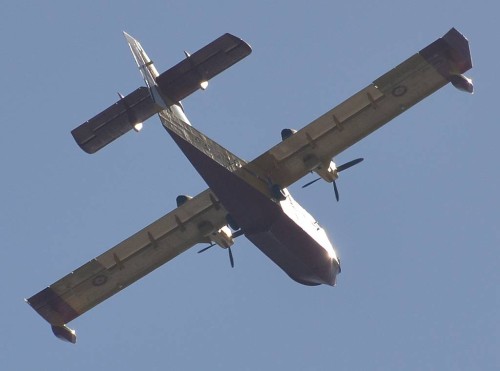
(147, 68)
(163, 91)
(193, 72)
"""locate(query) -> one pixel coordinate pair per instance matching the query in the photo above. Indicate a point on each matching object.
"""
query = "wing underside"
(115, 120)
(185, 77)
(419, 76)
(393, 93)
(130, 260)
(176, 83)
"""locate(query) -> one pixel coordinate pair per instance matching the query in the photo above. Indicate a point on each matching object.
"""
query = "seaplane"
(243, 198)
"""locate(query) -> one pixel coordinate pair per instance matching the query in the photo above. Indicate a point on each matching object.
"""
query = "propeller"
(340, 168)
(206, 248)
(308, 184)
(231, 259)
(347, 165)
(336, 190)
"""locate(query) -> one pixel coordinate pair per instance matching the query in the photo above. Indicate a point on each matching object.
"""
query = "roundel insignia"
(99, 280)
(399, 90)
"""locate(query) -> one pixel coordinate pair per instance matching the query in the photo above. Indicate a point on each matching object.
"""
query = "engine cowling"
(182, 199)
(223, 237)
(287, 133)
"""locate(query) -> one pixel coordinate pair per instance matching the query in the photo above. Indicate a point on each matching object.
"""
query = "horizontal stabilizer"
(186, 77)
(115, 120)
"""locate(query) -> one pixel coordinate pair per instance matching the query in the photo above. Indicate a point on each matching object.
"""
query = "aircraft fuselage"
(282, 230)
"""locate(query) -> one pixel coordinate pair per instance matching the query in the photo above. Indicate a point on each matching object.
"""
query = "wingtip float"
(243, 198)
(64, 333)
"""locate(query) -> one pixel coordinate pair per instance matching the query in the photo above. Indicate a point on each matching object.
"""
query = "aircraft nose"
(335, 271)
(329, 273)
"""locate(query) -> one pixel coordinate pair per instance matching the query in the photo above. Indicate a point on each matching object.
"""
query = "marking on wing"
(99, 280)
(399, 90)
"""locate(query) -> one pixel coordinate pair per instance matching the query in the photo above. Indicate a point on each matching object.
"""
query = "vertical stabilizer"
(147, 68)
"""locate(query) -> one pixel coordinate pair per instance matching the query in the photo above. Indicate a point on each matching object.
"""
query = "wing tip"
(450, 56)
(241, 43)
(460, 49)
(52, 307)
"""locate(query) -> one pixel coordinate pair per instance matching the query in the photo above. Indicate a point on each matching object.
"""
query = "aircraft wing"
(176, 83)
(391, 94)
(185, 77)
(115, 120)
(130, 260)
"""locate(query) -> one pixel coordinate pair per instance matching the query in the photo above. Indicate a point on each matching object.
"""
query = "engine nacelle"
(223, 237)
(287, 133)
(182, 199)
(327, 171)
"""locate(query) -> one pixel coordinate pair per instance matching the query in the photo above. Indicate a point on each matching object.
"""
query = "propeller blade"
(206, 248)
(347, 165)
(336, 191)
(231, 260)
(308, 184)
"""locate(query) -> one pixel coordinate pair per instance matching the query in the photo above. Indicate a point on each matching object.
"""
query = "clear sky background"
(416, 227)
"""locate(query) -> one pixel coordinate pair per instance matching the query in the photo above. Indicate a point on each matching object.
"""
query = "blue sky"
(416, 227)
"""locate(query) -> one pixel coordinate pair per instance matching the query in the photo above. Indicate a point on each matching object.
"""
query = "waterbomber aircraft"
(243, 198)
